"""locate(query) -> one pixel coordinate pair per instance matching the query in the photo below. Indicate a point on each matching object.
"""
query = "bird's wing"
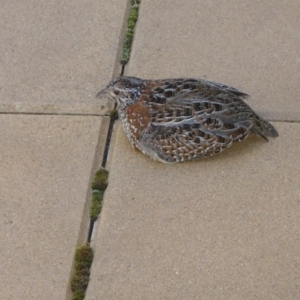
(194, 104)
(183, 98)
(226, 88)
(190, 138)
(188, 87)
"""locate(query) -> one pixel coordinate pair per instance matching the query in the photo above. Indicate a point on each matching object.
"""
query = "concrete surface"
(226, 227)
(45, 171)
(221, 228)
(56, 55)
(252, 45)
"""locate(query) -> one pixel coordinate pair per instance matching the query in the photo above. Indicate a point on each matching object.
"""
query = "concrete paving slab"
(225, 227)
(45, 171)
(56, 55)
(252, 45)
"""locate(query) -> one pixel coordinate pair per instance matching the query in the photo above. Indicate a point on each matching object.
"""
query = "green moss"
(96, 204)
(84, 254)
(135, 2)
(133, 16)
(78, 295)
(100, 180)
(129, 35)
(83, 266)
(114, 114)
(80, 280)
(79, 283)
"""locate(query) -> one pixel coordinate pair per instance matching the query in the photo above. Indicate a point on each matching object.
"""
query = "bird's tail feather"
(263, 128)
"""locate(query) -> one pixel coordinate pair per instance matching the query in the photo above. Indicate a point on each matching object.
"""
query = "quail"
(181, 119)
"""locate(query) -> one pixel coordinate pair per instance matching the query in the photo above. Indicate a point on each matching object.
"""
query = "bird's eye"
(116, 92)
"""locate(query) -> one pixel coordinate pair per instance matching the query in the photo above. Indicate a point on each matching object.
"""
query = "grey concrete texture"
(45, 174)
(251, 45)
(225, 227)
(57, 55)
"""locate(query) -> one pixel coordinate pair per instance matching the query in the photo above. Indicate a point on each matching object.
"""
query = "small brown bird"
(175, 120)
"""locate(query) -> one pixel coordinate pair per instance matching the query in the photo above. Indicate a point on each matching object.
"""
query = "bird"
(183, 119)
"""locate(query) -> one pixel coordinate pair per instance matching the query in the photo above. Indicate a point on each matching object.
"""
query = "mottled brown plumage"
(175, 120)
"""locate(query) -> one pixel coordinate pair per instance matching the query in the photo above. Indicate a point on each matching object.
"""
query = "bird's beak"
(103, 93)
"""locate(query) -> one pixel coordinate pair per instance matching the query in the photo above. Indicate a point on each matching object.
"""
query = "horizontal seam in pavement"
(53, 114)
(107, 115)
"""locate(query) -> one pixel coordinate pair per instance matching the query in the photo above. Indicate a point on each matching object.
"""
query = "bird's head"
(124, 90)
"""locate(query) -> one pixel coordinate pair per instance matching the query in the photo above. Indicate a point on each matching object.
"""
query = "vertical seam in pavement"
(80, 272)
(123, 61)
(126, 48)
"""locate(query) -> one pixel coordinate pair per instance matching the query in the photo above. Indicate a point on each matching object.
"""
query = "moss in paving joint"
(84, 254)
(100, 180)
(96, 204)
(114, 114)
(133, 16)
(99, 185)
(80, 280)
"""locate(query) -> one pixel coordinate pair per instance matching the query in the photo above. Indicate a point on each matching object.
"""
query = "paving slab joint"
(85, 226)
(132, 19)
(80, 276)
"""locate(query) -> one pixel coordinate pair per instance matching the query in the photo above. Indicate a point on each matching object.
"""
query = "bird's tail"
(263, 128)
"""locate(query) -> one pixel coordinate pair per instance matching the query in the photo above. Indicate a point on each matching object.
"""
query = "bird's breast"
(135, 119)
